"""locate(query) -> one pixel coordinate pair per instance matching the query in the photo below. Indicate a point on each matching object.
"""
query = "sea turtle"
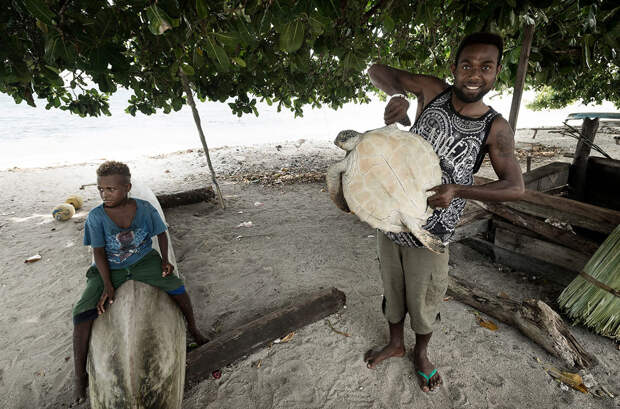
(384, 179)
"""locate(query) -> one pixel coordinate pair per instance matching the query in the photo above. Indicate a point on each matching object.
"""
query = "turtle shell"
(387, 177)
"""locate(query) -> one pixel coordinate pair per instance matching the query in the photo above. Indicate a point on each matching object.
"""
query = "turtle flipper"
(334, 185)
(430, 241)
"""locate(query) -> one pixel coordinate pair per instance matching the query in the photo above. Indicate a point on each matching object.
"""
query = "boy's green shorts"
(147, 270)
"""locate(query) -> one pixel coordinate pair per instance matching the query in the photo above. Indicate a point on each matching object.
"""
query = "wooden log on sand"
(533, 318)
(248, 338)
(137, 348)
(187, 197)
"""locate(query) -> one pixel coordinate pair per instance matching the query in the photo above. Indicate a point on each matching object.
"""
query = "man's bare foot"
(430, 381)
(372, 357)
(80, 383)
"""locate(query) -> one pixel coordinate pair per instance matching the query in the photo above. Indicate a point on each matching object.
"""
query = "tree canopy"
(292, 53)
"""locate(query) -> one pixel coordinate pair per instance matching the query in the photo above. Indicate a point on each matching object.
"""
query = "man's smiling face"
(475, 71)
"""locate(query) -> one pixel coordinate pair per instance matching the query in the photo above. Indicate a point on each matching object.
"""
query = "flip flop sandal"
(428, 379)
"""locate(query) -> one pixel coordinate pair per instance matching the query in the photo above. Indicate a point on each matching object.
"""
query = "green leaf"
(316, 26)
(388, 24)
(197, 58)
(512, 3)
(239, 61)
(230, 39)
(187, 69)
(247, 35)
(159, 22)
(202, 9)
(39, 10)
(292, 36)
(217, 54)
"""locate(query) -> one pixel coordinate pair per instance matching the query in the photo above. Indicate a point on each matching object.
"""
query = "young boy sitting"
(120, 231)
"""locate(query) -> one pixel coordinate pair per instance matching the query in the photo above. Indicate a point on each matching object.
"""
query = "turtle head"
(347, 140)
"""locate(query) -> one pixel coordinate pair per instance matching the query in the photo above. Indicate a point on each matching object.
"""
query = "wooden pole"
(190, 101)
(521, 73)
(577, 175)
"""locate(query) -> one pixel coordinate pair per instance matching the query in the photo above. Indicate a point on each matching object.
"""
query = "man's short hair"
(113, 167)
(482, 38)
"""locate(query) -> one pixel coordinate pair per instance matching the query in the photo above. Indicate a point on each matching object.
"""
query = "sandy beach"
(299, 241)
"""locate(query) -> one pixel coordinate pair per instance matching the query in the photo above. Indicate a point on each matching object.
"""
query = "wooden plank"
(545, 212)
(548, 231)
(526, 46)
(472, 212)
(540, 249)
(535, 319)
(472, 228)
(571, 211)
(580, 162)
(547, 177)
(603, 182)
(483, 247)
(248, 338)
(519, 262)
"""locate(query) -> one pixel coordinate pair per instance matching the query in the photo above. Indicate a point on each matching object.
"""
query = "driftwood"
(533, 318)
(186, 197)
(248, 338)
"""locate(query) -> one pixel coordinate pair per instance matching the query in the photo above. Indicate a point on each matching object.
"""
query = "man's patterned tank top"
(459, 142)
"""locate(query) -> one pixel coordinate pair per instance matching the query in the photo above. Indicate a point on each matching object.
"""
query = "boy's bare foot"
(431, 378)
(372, 357)
(80, 383)
(198, 337)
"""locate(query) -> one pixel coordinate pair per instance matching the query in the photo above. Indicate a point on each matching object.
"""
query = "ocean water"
(36, 137)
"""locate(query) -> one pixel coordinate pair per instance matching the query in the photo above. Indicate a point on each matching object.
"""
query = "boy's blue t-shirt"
(123, 247)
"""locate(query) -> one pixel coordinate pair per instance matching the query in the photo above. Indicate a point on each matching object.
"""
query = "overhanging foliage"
(292, 53)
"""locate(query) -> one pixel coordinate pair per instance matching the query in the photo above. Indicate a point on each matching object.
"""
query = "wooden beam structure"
(576, 213)
(526, 46)
(550, 232)
(526, 243)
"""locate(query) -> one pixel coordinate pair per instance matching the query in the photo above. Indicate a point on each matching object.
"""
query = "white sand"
(299, 242)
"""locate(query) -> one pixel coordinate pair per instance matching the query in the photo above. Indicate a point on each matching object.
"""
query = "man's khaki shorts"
(415, 280)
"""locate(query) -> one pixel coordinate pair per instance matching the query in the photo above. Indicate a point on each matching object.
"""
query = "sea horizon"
(36, 137)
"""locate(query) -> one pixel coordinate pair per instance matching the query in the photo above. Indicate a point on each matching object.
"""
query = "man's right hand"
(396, 111)
(108, 295)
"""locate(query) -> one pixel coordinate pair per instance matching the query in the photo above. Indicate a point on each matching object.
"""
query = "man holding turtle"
(461, 129)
